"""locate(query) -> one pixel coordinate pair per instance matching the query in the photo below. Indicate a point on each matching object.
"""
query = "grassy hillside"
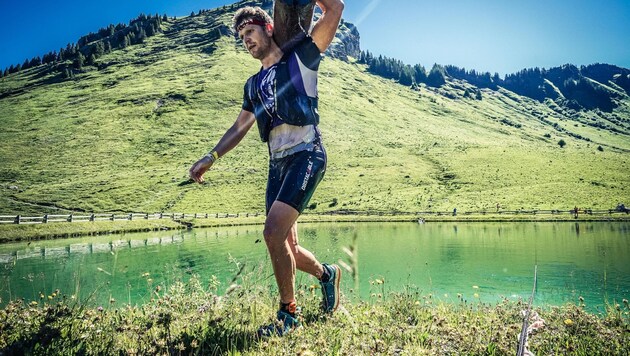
(123, 137)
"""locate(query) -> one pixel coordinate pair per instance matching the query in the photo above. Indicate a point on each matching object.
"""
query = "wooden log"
(291, 21)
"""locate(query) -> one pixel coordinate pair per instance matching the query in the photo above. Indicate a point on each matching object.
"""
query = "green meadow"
(190, 318)
(121, 138)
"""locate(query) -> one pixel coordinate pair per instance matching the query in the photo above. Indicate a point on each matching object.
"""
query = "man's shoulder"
(302, 44)
(251, 79)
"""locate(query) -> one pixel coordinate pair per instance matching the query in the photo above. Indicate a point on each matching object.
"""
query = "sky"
(502, 36)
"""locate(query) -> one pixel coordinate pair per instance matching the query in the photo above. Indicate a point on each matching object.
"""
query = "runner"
(282, 99)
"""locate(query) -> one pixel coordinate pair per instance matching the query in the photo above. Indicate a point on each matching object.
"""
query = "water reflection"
(479, 261)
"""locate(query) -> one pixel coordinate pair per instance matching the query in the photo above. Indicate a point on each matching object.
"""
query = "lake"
(473, 261)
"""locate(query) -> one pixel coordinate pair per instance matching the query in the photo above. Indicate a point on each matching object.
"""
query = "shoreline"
(190, 318)
(27, 232)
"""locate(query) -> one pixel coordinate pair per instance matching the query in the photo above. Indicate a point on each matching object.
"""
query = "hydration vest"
(292, 107)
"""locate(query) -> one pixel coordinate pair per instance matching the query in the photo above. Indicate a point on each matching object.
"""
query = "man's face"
(256, 39)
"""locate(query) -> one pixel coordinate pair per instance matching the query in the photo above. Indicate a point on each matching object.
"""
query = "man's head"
(250, 13)
(255, 27)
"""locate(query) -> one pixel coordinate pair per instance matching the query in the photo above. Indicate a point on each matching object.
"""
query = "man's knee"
(269, 234)
(272, 234)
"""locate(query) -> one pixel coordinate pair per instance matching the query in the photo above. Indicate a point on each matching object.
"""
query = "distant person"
(575, 212)
(282, 99)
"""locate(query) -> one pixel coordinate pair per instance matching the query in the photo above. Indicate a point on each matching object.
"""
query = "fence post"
(17, 219)
(46, 219)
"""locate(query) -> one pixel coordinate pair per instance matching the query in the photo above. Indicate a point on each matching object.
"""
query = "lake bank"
(191, 318)
(27, 232)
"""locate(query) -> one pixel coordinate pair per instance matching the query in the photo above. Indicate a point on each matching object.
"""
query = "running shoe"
(284, 324)
(330, 289)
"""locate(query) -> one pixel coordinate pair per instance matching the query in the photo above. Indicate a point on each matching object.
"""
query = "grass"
(190, 318)
(12, 232)
(122, 138)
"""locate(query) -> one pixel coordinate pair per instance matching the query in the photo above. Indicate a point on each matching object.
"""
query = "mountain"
(119, 131)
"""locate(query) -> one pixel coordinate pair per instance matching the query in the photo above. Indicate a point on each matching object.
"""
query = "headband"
(250, 21)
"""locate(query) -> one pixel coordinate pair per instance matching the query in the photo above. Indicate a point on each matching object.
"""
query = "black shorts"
(293, 179)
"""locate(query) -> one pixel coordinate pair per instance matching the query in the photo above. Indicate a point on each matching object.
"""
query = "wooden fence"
(571, 212)
(49, 218)
(20, 219)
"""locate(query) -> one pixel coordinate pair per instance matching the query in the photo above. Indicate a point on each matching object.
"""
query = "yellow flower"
(476, 295)
(568, 322)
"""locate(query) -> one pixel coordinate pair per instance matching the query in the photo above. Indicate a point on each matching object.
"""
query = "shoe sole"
(337, 280)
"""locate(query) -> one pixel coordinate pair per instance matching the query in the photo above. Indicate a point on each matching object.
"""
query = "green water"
(479, 261)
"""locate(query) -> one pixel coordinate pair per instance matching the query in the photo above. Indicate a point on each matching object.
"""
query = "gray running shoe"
(330, 289)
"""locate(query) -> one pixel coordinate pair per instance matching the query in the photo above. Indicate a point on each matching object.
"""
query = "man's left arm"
(324, 30)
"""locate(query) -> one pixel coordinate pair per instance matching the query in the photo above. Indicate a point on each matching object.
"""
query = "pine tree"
(496, 80)
(99, 49)
(66, 73)
(406, 76)
(125, 42)
(91, 59)
(150, 30)
(436, 77)
(141, 36)
(79, 60)
(419, 74)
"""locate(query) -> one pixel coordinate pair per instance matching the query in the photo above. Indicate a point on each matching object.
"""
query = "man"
(282, 100)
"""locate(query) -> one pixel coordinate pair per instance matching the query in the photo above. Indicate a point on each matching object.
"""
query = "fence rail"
(478, 212)
(83, 217)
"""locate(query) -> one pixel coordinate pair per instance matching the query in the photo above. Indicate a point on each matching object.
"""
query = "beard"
(261, 49)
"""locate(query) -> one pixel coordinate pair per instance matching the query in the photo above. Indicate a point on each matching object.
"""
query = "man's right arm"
(230, 139)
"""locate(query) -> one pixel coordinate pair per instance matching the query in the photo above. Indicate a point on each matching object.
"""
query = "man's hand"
(199, 168)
